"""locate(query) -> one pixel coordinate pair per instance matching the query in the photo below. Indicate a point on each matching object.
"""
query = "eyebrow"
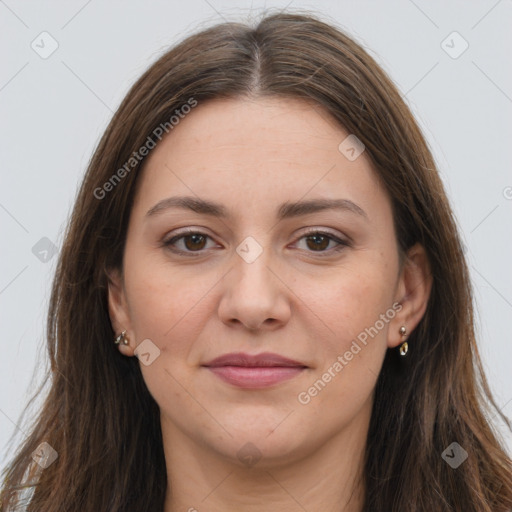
(285, 211)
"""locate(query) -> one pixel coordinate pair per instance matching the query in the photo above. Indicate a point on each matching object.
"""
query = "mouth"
(254, 371)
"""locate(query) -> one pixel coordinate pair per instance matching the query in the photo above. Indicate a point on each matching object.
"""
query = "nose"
(254, 296)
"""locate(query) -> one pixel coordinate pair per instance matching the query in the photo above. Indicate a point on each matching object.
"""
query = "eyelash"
(342, 244)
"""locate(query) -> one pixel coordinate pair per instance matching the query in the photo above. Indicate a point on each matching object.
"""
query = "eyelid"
(325, 231)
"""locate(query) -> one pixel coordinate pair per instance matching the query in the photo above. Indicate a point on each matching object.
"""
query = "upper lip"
(257, 360)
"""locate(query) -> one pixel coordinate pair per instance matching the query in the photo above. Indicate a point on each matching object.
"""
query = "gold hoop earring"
(404, 347)
(122, 338)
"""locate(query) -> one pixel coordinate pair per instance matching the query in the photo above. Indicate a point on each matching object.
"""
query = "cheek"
(167, 307)
(163, 306)
(356, 299)
(166, 304)
(357, 307)
(351, 355)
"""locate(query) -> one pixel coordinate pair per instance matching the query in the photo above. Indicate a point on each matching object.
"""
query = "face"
(318, 286)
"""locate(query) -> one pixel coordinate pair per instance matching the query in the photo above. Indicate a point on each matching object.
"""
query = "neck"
(330, 478)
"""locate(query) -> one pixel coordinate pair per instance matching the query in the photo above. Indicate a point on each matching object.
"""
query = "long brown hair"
(99, 416)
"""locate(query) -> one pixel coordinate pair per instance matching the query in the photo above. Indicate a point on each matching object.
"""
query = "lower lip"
(255, 377)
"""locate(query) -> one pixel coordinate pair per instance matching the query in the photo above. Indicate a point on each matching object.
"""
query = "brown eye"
(187, 243)
(194, 242)
(318, 242)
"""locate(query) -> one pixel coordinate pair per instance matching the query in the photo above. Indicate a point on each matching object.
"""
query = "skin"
(252, 155)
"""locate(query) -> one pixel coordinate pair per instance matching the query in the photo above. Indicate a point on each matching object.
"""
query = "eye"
(319, 241)
(191, 242)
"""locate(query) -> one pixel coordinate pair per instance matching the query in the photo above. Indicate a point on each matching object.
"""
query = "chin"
(263, 444)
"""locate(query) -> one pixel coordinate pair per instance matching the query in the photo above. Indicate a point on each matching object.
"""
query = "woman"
(262, 301)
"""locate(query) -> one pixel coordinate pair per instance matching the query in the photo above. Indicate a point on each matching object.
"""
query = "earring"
(122, 338)
(404, 347)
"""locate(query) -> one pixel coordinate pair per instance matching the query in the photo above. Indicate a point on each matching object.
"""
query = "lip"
(254, 371)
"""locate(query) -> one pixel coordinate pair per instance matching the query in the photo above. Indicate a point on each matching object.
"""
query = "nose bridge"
(252, 263)
(252, 293)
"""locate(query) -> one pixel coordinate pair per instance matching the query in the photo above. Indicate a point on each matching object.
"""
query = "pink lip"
(254, 371)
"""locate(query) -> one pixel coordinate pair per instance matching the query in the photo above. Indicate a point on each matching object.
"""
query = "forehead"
(257, 151)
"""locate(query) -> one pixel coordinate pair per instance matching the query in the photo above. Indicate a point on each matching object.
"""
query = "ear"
(118, 310)
(412, 292)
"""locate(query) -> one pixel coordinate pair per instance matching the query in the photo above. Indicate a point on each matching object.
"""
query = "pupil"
(196, 239)
(317, 243)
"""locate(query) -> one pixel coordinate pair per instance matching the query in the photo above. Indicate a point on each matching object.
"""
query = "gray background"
(54, 110)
